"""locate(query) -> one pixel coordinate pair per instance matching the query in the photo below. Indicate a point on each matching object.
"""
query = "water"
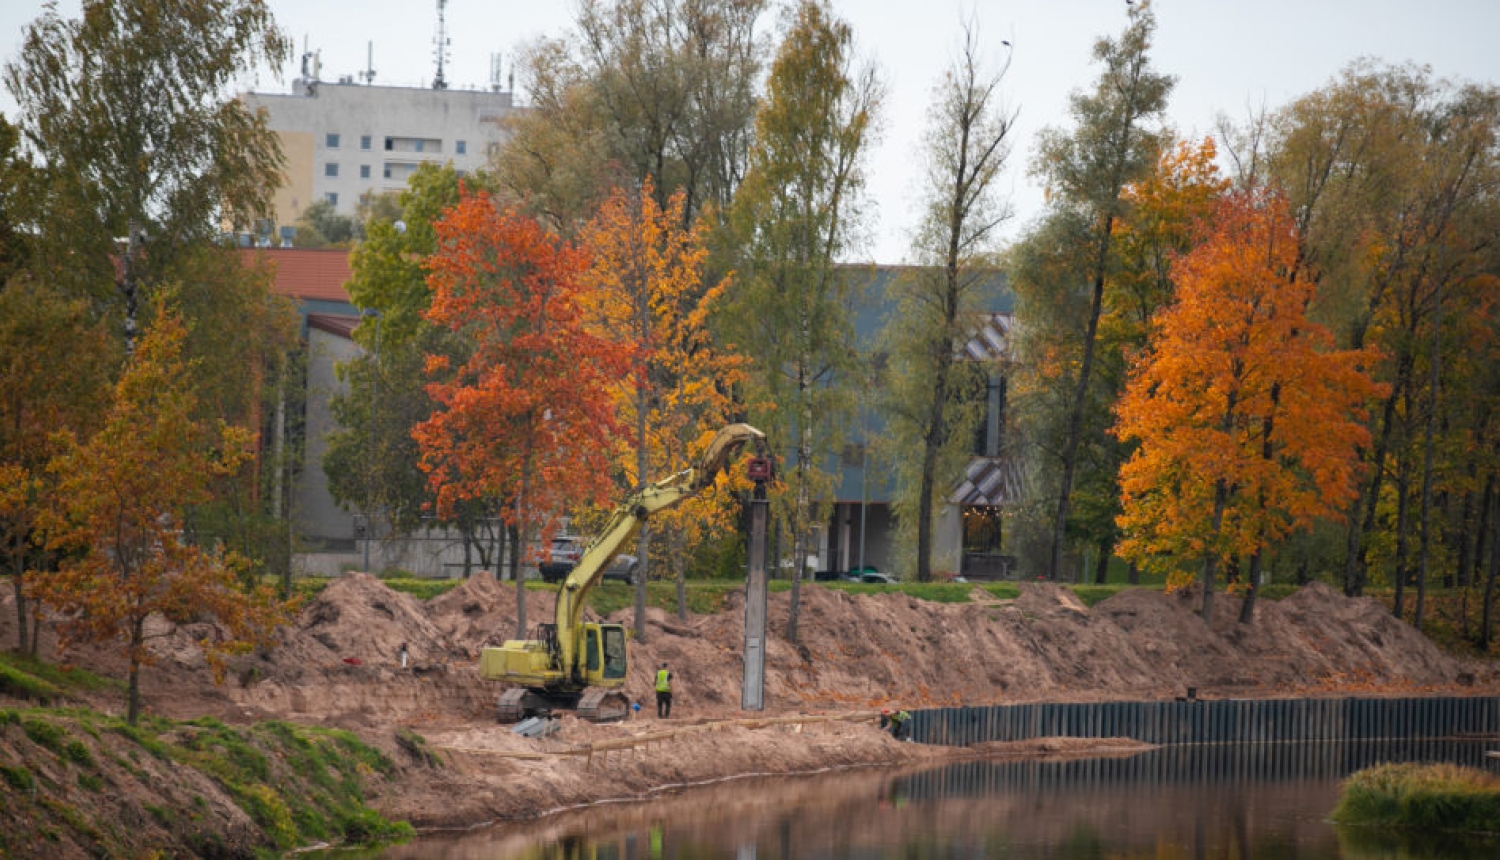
(1233, 801)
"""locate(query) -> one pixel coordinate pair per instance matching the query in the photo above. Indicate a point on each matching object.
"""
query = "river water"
(1222, 801)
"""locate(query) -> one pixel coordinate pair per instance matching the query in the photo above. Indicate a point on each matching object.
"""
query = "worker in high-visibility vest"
(663, 692)
(899, 721)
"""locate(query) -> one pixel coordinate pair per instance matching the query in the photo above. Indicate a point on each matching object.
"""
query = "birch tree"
(932, 387)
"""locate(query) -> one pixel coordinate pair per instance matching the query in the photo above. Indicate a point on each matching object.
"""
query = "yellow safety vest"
(663, 681)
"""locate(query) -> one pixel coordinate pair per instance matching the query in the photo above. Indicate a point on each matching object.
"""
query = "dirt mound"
(340, 661)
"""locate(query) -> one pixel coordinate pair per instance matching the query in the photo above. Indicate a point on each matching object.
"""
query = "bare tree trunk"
(1433, 375)
(133, 683)
(1492, 524)
(1101, 565)
(1355, 563)
(1211, 564)
(1403, 507)
(1252, 589)
(643, 538)
(1080, 398)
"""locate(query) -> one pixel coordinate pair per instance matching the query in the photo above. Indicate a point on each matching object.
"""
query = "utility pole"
(752, 696)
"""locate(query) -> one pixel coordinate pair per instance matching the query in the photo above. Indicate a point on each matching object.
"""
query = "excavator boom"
(575, 655)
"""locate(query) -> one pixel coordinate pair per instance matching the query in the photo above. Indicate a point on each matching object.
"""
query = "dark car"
(564, 555)
(622, 569)
(873, 578)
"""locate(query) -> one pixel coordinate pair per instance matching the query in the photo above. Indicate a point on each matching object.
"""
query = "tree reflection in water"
(1243, 800)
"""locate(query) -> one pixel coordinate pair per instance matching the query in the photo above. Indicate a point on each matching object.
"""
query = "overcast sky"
(1228, 56)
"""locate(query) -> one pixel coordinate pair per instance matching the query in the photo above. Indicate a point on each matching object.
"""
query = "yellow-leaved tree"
(1248, 420)
(122, 503)
(648, 284)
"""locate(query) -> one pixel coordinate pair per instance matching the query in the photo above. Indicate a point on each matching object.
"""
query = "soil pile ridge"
(339, 663)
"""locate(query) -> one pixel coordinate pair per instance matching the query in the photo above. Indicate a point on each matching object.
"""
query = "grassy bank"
(76, 782)
(1422, 797)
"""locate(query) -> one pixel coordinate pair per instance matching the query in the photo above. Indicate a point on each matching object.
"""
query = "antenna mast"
(369, 73)
(440, 82)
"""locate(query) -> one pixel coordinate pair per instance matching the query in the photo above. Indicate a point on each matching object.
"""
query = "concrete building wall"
(319, 519)
(371, 139)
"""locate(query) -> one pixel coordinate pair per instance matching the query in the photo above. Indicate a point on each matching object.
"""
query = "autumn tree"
(525, 417)
(41, 331)
(1062, 271)
(1248, 420)
(646, 281)
(1163, 213)
(794, 217)
(123, 498)
(658, 88)
(125, 107)
(932, 404)
(372, 458)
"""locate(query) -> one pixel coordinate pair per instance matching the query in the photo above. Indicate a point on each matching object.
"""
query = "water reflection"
(1241, 801)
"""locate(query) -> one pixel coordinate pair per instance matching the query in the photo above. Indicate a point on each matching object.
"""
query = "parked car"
(564, 555)
(873, 578)
(623, 569)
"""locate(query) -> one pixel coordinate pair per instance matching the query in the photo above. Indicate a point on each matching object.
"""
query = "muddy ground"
(339, 665)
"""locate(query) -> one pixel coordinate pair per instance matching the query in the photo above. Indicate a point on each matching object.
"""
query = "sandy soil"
(339, 665)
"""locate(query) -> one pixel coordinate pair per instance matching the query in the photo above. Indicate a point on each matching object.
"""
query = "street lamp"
(371, 313)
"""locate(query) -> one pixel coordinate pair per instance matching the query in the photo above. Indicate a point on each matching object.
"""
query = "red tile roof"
(305, 274)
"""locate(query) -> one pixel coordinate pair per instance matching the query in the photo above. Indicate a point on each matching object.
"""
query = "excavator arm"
(627, 520)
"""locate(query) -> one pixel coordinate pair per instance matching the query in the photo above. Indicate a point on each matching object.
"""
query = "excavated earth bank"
(339, 665)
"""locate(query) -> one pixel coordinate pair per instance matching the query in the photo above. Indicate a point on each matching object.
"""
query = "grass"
(1422, 797)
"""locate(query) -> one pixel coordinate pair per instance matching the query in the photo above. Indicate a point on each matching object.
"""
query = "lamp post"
(370, 460)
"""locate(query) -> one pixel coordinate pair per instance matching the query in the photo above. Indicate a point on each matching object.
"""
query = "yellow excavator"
(577, 665)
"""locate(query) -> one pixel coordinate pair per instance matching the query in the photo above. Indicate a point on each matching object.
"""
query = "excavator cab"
(604, 653)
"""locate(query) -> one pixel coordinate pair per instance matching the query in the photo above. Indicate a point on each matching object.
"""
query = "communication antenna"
(494, 73)
(440, 82)
(368, 75)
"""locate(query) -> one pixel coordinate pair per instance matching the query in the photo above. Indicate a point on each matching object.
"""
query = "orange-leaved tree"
(527, 420)
(647, 283)
(1248, 421)
(123, 498)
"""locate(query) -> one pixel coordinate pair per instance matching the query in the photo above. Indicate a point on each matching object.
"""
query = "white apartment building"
(345, 140)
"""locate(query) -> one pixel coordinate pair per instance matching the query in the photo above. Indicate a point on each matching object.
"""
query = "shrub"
(1431, 796)
(18, 777)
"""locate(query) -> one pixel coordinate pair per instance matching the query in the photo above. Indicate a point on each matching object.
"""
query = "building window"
(332, 198)
(387, 171)
(364, 141)
(390, 144)
(461, 148)
(331, 169)
(332, 141)
(419, 144)
(364, 171)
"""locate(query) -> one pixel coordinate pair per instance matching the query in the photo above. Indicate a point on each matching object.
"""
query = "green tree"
(372, 458)
(794, 216)
(1085, 170)
(1387, 169)
(932, 403)
(125, 107)
(320, 225)
(122, 498)
(659, 88)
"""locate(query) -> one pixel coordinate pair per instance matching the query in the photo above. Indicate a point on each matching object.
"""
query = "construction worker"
(663, 692)
(899, 721)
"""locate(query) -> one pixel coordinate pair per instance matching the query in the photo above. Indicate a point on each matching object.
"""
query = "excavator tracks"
(596, 706)
(603, 706)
